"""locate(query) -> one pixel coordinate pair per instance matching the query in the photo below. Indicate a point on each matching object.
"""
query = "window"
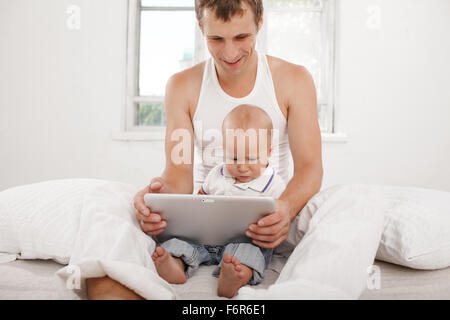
(164, 38)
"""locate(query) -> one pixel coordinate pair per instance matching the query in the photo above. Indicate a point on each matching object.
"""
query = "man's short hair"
(225, 9)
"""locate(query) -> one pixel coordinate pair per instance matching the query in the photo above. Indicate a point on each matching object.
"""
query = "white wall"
(394, 95)
(61, 94)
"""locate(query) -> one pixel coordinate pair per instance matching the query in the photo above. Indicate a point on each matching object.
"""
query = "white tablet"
(208, 219)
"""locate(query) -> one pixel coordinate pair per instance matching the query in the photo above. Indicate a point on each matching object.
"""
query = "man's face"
(230, 43)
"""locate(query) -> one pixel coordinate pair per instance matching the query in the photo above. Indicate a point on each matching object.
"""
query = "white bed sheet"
(36, 279)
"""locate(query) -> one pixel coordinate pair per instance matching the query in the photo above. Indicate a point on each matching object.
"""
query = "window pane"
(167, 3)
(296, 36)
(291, 4)
(166, 46)
(306, 40)
(151, 114)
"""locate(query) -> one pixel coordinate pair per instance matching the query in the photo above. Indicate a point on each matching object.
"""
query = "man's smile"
(234, 63)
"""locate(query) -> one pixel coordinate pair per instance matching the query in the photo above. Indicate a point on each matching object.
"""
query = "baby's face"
(249, 163)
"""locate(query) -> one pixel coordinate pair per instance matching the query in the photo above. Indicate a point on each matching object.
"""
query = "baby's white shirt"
(220, 182)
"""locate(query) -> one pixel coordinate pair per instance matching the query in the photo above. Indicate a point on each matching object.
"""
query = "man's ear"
(200, 26)
(260, 22)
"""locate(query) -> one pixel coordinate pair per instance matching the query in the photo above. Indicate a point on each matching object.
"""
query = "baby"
(246, 172)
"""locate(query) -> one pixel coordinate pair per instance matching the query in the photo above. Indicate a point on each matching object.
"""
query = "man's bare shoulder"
(184, 87)
(188, 79)
(293, 83)
(287, 71)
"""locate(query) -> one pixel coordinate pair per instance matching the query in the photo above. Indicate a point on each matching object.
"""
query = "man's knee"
(106, 288)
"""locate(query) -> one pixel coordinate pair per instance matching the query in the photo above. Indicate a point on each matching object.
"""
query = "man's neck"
(241, 84)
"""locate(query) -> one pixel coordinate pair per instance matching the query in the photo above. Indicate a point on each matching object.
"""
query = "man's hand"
(273, 229)
(151, 222)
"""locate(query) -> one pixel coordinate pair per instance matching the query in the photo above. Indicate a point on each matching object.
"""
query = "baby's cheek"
(231, 169)
(257, 170)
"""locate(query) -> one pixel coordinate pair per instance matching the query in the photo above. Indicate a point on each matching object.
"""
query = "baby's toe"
(227, 258)
(235, 261)
(160, 251)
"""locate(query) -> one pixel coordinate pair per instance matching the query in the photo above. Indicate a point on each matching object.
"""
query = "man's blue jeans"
(195, 255)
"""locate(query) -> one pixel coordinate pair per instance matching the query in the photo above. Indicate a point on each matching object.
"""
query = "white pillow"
(41, 220)
(417, 228)
(416, 231)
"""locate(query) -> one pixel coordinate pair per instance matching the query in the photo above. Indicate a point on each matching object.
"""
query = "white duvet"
(110, 242)
(338, 244)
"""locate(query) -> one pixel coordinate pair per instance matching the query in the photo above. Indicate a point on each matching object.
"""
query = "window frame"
(130, 131)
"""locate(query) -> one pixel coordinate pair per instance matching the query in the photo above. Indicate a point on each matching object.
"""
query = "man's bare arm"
(304, 141)
(299, 94)
(178, 127)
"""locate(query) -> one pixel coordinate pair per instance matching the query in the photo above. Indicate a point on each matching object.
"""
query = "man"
(230, 28)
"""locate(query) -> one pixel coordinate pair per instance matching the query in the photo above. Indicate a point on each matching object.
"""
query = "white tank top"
(214, 104)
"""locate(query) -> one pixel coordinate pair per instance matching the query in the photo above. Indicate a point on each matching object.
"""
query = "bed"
(36, 280)
(49, 227)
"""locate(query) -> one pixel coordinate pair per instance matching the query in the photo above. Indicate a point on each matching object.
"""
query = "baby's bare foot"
(233, 275)
(169, 268)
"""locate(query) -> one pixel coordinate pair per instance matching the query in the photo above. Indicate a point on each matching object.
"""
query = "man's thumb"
(155, 185)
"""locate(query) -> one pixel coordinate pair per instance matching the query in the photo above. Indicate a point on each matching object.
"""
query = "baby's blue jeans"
(194, 255)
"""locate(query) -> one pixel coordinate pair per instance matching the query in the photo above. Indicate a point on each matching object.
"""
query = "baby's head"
(247, 135)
